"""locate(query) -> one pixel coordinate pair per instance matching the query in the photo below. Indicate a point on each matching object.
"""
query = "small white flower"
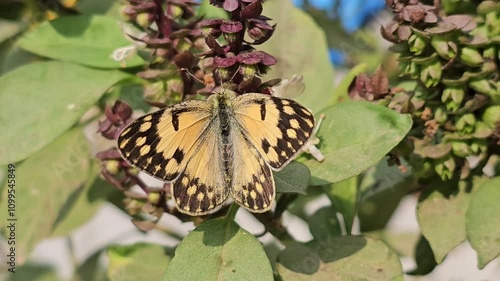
(121, 54)
(289, 88)
(310, 145)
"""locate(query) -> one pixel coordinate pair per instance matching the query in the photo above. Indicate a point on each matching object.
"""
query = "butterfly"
(226, 144)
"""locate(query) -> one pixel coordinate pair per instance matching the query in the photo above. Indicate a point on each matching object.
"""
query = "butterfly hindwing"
(202, 186)
(161, 143)
(252, 184)
(277, 127)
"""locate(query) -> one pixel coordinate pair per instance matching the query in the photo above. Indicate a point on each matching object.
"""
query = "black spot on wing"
(265, 145)
(262, 103)
(175, 116)
(178, 155)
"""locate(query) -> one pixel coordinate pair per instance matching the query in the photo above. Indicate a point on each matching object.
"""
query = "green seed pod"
(453, 96)
(484, 86)
(133, 171)
(112, 166)
(231, 37)
(206, 30)
(183, 45)
(249, 71)
(225, 74)
(133, 206)
(431, 73)
(479, 146)
(491, 116)
(417, 43)
(490, 52)
(175, 11)
(127, 12)
(461, 149)
(486, 7)
(445, 167)
(426, 170)
(442, 47)
(465, 124)
(154, 197)
(144, 19)
(440, 115)
(409, 68)
(470, 56)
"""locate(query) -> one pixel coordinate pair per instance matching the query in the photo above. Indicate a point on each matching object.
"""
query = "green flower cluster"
(453, 59)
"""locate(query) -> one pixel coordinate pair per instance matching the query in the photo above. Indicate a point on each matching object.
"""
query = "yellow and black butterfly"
(224, 145)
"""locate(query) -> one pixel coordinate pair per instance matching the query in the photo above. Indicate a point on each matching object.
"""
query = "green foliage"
(45, 99)
(358, 131)
(219, 250)
(63, 167)
(483, 222)
(59, 79)
(295, 54)
(85, 40)
(294, 178)
(137, 262)
(339, 258)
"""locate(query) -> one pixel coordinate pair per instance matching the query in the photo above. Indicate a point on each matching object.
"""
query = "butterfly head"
(221, 96)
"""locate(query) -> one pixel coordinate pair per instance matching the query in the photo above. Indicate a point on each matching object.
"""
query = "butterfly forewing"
(162, 142)
(278, 128)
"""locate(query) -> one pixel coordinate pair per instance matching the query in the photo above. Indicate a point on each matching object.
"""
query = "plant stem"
(231, 214)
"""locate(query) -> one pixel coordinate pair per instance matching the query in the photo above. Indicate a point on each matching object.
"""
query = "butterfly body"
(224, 145)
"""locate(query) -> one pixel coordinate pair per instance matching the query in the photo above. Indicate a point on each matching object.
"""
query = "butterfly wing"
(277, 128)
(202, 185)
(161, 143)
(252, 183)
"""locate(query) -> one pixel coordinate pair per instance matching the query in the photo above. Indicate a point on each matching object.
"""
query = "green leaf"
(305, 53)
(83, 205)
(137, 262)
(45, 182)
(355, 136)
(403, 243)
(323, 223)
(109, 8)
(441, 216)
(339, 258)
(87, 39)
(92, 269)
(44, 100)
(8, 29)
(211, 12)
(219, 250)
(33, 272)
(299, 204)
(12, 57)
(294, 178)
(424, 257)
(344, 197)
(483, 221)
(382, 189)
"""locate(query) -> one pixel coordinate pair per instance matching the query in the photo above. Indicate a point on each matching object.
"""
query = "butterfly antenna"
(185, 70)
(232, 77)
(236, 72)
